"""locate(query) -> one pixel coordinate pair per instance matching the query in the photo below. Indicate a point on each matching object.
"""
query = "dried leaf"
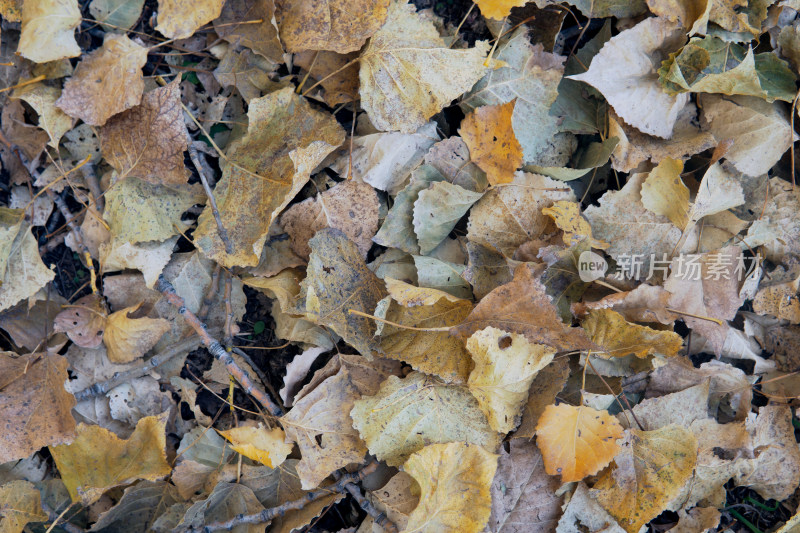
(48, 30)
(488, 133)
(84, 321)
(778, 228)
(452, 159)
(226, 501)
(296, 372)
(544, 388)
(20, 504)
(339, 84)
(42, 99)
(437, 210)
(409, 48)
(455, 481)
(179, 19)
(664, 193)
(567, 217)
(106, 82)
(259, 444)
(98, 460)
(617, 337)
(250, 23)
(22, 272)
(130, 338)
(120, 13)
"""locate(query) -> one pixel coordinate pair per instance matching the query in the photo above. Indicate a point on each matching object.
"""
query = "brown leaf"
(492, 145)
(106, 82)
(35, 408)
(339, 84)
(645, 303)
(148, 141)
(84, 321)
(546, 385)
(249, 23)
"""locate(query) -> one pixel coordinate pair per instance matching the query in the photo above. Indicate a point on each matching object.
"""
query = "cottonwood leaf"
(617, 337)
(22, 271)
(139, 508)
(779, 300)
(397, 499)
(777, 230)
(106, 82)
(623, 71)
(487, 269)
(48, 30)
(129, 338)
(594, 155)
(505, 366)
(442, 275)
(522, 306)
(711, 65)
(651, 468)
(703, 519)
(42, 99)
(148, 141)
(250, 23)
(531, 76)
(689, 13)
(120, 13)
(544, 388)
(455, 488)
(337, 281)
(567, 217)
(340, 26)
(760, 131)
(339, 82)
(584, 511)
(576, 441)
(511, 215)
(349, 206)
(179, 19)
(296, 372)
(738, 16)
(247, 71)
(226, 501)
(84, 321)
(645, 303)
(664, 193)
(98, 460)
(260, 444)
(20, 504)
(433, 352)
(409, 48)
(452, 159)
(285, 140)
(718, 192)
(410, 413)
(498, 9)
(488, 133)
(437, 210)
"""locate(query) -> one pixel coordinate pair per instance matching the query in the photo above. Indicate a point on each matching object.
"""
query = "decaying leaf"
(455, 482)
(567, 217)
(576, 441)
(250, 23)
(488, 133)
(48, 30)
(437, 210)
(617, 337)
(129, 338)
(778, 228)
(84, 321)
(22, 271)
(178, 19)
(259, 444)
(20, 504)
(42, 99)
(225, 502)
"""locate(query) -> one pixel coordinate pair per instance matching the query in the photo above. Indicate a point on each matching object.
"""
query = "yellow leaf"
(22, 272)
(129, 338)
(179, 19)
(455, 482)
(505, 365)
(576, 441)
(286, 138)
(408, 74)
(568, 218)
(664, 193)
(498, 9)
(651, 469)
(106, 82)
(98, 460)
(260, 444)
(20, 504)
(488, 133)
(617, 337)
(340, 26)
(42, 98)
(48, 30)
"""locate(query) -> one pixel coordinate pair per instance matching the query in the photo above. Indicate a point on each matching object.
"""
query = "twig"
(223, 233)
(90, 177)
(208, 300)
(379, 516)
(227, 336)
(52, 244)
(55, 517)
(98, 389)
(215, 348)
(268, 514)
(78, 236)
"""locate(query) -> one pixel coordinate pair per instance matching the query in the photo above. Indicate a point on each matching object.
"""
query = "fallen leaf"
(130, 338)
(498, 9)
(247, 71)
(544, 388)
(584, 511)
(777, 228)
(488, 133)
(22, 272)
(408, 47)
(285, 140)
(226, 501)
(339, 84)
(410, 413)
(148, 257)
(250, 23)
(610, 8)
(98, 460)
(779, 300)
(20, 504)
(688, 13)
(397, 499)
(576, 441)
(42, 99)
(651, 468)
(84, 321)
(296, 372)
(106, 82)
(699, 519)
(664, 193)
(437, 210)
(340, 26)
(140, 506)
(617, 337)
(505, 366)
(48, 30)
(259, 444)
(455, 482)
(120, 13)
(567, 217)
(148, 141)
(179, 19)
(452, 159)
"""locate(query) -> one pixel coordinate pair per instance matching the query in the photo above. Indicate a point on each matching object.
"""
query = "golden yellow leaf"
(36, 410)
(576, 441)
(488, 133)
(179, 19)
(455, 482)
(340, 26)
(779, 300)
(408, 74)
(20, 504)
(48, 30)
(148, 140)
(286, 139)
(505, 365)
(664, 193)
(129, 338)
(498, 9)
(651, 469)
(260, 444)
(11, 10)
(433, 352)
(98, 460)
(616, 337)
(106, 82)
(568, 218)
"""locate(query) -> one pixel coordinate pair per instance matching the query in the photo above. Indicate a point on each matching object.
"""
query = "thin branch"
(208, 300)
(227, 336)
(223, 233)
(215, 348)
(379, 516)
(90, 177)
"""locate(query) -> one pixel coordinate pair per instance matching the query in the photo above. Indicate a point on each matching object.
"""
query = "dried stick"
(78, 235)
(55, 518)
(268, 514)
(90, 177)
(228, 330)
(215, 348)
(98, 389)
(208, 300)
(379, 516)
(223, 233)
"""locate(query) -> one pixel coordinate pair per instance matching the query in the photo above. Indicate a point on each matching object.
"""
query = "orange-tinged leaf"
(567, 216)
(498, 9)
(617, 337)
(491, 141)
(260, 444)
(129, 338)
(98, 460)
(455, 482)
(576, 441)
